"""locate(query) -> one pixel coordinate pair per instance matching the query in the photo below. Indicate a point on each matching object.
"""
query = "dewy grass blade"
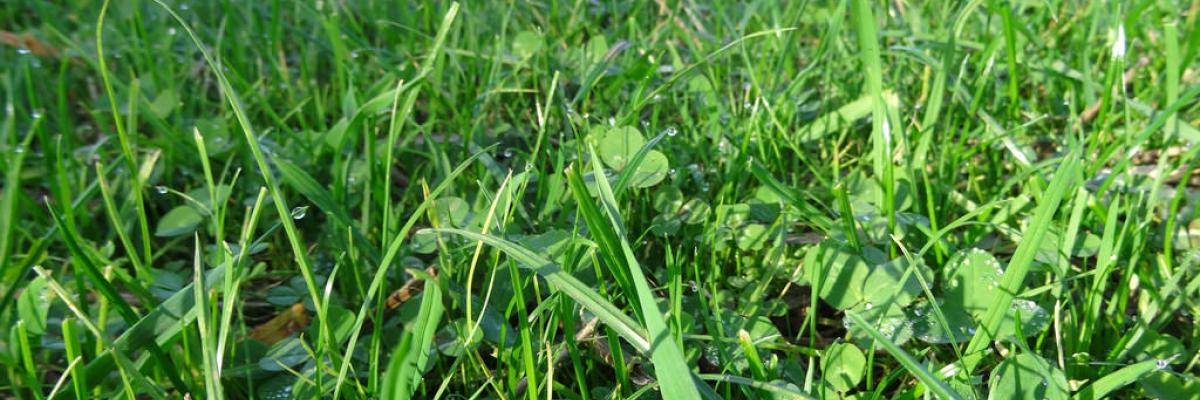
(1065, 179)
(612, 316)
(325, 339)
(410, 358)
(1104, 386)
(931, 382)
(669, 364)
(8, 201)
(386, 263)
(127, 150)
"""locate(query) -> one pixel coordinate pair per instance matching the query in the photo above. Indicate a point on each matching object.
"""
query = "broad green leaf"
(1163, 385)
(972, 279)
(284, 355)
(1023, 377)
(752, 237)
(890, 320)
(842, 366)
(181, 220)
(928, 329)
(526, 43)
(164, 104)
(453, 211)
(838, 272)
(651, 170)
(34, 305)
(595, 49)
(618, 145)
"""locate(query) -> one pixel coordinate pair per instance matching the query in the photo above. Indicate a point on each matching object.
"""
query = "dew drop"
(36, 114)
(671, 131)
(23, 51)
(171, 31)
(869, 306)
(508, 153)
(298, 213)
(1162, 364)
(160, 189)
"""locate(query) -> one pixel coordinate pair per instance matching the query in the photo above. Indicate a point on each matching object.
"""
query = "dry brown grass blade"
(29, 42)
(409, 290)
(282, 325)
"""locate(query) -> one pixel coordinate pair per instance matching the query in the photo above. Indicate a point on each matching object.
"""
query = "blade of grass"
(411, 356)
(127, 148)
(12, 187)
(612, 316)
(1104, 386)
(386, 263)
(669, 364)
(931, 382)
(1065, 180)
(324, 339)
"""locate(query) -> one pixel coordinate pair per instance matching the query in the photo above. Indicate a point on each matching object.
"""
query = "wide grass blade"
(564, 282)
(1102, 387)
(411, 356)
(907, 361)
(668, 360)
(1065, 180)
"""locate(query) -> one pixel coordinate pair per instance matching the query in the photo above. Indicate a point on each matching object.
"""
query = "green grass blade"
(612, 316)
(907, 361)
(1104, 386)
(669, 364)
(8, 201)
(385, 264)
(411, 356)
(1065, 180)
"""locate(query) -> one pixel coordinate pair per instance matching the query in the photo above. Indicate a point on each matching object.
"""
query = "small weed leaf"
(453, 211)
(595, 49)
(1164, 385)
(842, 366)
(972, 278)
(617, 145)
(181, 220)
(1024, 377)
(839, 272)
(526, 43)
(34, 305)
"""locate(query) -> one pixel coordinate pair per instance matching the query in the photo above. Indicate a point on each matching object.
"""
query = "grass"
(592, 200)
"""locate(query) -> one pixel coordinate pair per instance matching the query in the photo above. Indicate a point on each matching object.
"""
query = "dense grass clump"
(599, 199)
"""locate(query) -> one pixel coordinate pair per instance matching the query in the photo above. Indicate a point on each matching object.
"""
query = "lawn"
(599, 199)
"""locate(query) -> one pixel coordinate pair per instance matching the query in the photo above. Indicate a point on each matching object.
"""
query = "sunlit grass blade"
(393, 251)
(411, 356)
(1104, 386)
(569, 285)
(8, 199)
(931, 382)
(669, 364)
(1065, 180)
